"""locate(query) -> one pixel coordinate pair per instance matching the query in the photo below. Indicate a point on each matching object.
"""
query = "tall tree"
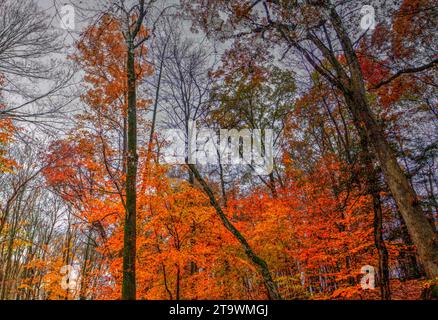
(318, 26)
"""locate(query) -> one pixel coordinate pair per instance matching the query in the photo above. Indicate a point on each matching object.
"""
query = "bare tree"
(185, 84)
(32, 73)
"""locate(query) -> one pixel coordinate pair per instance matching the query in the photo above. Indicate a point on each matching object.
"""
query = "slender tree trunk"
(83, 290)
(385, 289)
(129, 250)
(155, 108)
(178, 282)
(67, 259)
(261, 265)
(272, 186)
(165, 281)
(372, 183)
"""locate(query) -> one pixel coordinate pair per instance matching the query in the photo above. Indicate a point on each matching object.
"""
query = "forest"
(219, 150)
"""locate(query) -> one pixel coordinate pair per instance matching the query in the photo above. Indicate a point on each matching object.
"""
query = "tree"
(323, 29)
(26, 39)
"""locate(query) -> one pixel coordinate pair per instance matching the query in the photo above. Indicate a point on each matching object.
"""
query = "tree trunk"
(353, 87)
(178, 282)
(385, 289)
(83, 290)
(372, 182)
(419, 228)
(262, 266)
(129, 249)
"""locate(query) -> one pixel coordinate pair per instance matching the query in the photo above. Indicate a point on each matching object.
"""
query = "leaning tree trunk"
(261, 264)
(423, 234)
(129, 249)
